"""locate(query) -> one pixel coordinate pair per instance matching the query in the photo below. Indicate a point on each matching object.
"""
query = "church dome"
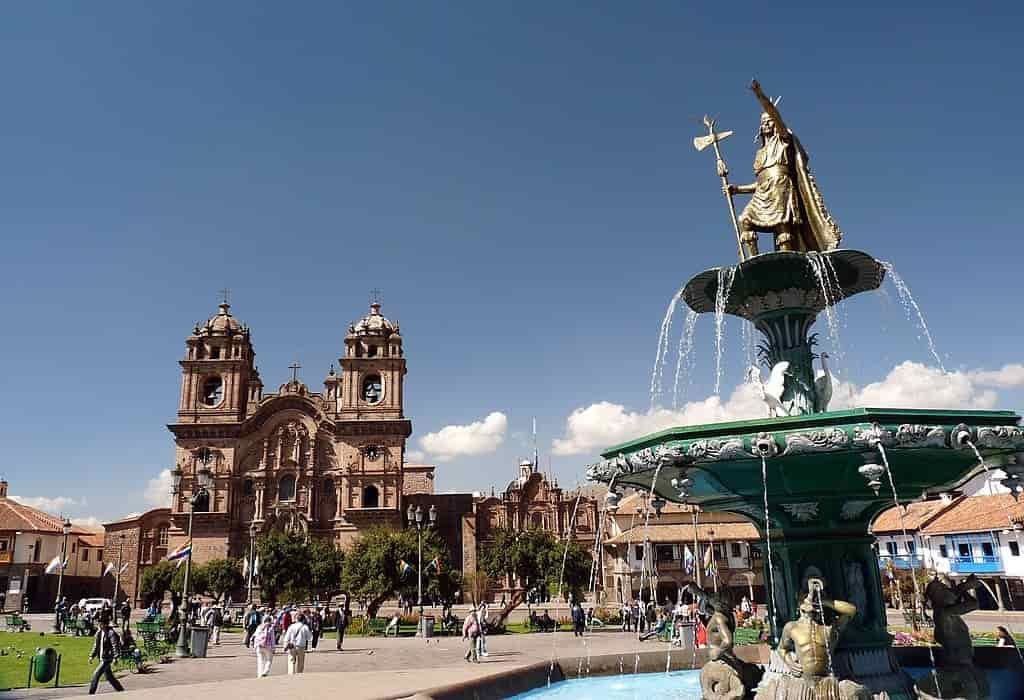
(223, 323)
(373, 323)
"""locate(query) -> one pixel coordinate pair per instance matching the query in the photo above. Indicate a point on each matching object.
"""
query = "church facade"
(328, 463)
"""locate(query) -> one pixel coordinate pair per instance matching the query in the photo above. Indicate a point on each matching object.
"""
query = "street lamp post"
(117, 574)
(252, 556)
(415, 517)
(58, 622)
(202, 481)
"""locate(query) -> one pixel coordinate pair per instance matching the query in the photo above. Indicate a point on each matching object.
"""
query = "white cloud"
(604, 424)
(415, 456)
(477, 438)
(908, 385)
(158, 490)
(92, 522)
(54, 506)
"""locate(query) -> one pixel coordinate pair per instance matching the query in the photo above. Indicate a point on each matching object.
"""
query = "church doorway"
(371, 497)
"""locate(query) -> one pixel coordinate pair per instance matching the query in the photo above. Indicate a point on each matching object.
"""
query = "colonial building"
(135, 543)
(327, 463)
(29, 540)
(642, 554)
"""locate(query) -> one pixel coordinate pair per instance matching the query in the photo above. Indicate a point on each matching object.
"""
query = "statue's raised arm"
(769, 107)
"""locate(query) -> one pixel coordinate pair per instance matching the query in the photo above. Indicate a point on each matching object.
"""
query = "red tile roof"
(15, 516)
(915, 516)
(977, 514)
(713, 532)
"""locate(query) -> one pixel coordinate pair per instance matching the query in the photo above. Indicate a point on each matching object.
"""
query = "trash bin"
(428, 625)
(44, 665)
(199, 640)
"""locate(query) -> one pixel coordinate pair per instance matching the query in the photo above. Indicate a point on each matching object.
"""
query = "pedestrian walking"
(263, 640)
(296, 639)
(579, 619)
(215, 619)
(341, 619)
(251, 621)
(481, 620)
(107, 648)
(126, 617)
(316, 623)
(470, 631)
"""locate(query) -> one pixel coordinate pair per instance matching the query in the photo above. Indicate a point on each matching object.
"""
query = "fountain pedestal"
(813, 481)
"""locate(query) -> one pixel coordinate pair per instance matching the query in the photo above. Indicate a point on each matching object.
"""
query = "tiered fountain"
(812, 480)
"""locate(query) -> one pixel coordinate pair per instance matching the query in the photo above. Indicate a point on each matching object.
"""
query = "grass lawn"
(75, 667)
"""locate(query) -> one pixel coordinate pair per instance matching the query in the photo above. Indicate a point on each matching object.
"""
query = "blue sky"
(517, 179)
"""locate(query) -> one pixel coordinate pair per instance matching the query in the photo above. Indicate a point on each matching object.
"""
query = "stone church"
(327, 463)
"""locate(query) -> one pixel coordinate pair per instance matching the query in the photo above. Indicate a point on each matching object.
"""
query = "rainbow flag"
(404, 567)
(436, 564)
(181, 552)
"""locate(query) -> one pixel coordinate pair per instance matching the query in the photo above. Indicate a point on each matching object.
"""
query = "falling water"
(832, 294)
(684, 357)
(662, 353)
(911, 308)
(1013, 528)
(725, 278)
(561, 576)
(918, 601)
(828, 645)
(768, 543)
(643, 561)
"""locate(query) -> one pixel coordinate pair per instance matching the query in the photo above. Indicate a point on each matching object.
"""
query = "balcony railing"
(978, 564)
(901, 561)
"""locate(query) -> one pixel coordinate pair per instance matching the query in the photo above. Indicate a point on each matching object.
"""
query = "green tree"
(284, 565)
(325, 564)
(372, 571)
(533, 558)
(156, 580)
(196, 580)
(222, 576)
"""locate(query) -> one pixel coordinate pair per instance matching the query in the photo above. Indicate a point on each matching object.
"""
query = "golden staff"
(712, 139)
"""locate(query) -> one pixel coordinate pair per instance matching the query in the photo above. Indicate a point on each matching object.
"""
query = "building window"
(286, 489)
(74, 547)
(1014, 549)
(964, 549)
(891, 548)
(85, 554)
(944, 551)
(37, 550)
(665, 552)
(213, 391)
(373, 389)
(161, 537)
(247, 487)
(638, 552)
(215, 353)
(736, 551)
(3, 545)
(911, 547)
(987, 550)
(371, 497)
(719, 551)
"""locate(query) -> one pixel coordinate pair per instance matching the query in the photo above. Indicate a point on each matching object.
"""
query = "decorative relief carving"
(719, 450)
(1002, 437)
(816, 441)
(801, 512)
(912, 435)
(872, 436)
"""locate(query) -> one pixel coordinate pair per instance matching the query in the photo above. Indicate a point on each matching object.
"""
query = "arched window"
(286, 489)
(538, 521)
(213, 391)
(371, 497)
(247, 487)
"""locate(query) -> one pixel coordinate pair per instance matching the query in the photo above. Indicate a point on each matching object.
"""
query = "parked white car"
(93, 605)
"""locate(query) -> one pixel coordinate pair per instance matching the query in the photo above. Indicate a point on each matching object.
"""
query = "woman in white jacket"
(263, 642)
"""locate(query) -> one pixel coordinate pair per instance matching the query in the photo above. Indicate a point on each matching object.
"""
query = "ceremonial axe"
(712, 139)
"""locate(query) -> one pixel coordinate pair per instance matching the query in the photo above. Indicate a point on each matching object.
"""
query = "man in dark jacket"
(106, 647)
(341, 620)
(252, 621)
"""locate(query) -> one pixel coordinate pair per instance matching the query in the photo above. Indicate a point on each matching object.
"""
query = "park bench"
(376, 626)
(15, 623)
(154, 638)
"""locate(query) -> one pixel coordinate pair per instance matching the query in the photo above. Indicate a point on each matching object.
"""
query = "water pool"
(685, 685)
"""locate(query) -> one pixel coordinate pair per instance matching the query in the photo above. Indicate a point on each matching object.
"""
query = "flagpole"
(117, 576)
(696, 547)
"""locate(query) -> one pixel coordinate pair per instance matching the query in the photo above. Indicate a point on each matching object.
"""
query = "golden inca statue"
(785, 200)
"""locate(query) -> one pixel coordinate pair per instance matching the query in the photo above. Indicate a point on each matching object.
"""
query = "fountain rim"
(812, 420)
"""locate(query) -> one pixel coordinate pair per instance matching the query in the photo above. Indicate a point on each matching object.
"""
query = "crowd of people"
(685, 622)
(294, 630)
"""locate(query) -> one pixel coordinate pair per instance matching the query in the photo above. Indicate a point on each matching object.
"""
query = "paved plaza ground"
(377, 667)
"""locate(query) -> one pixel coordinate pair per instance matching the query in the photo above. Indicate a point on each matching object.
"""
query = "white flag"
(124, 567)
(245, 568)
(53, 565)
(108, 569)
(256, 566)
